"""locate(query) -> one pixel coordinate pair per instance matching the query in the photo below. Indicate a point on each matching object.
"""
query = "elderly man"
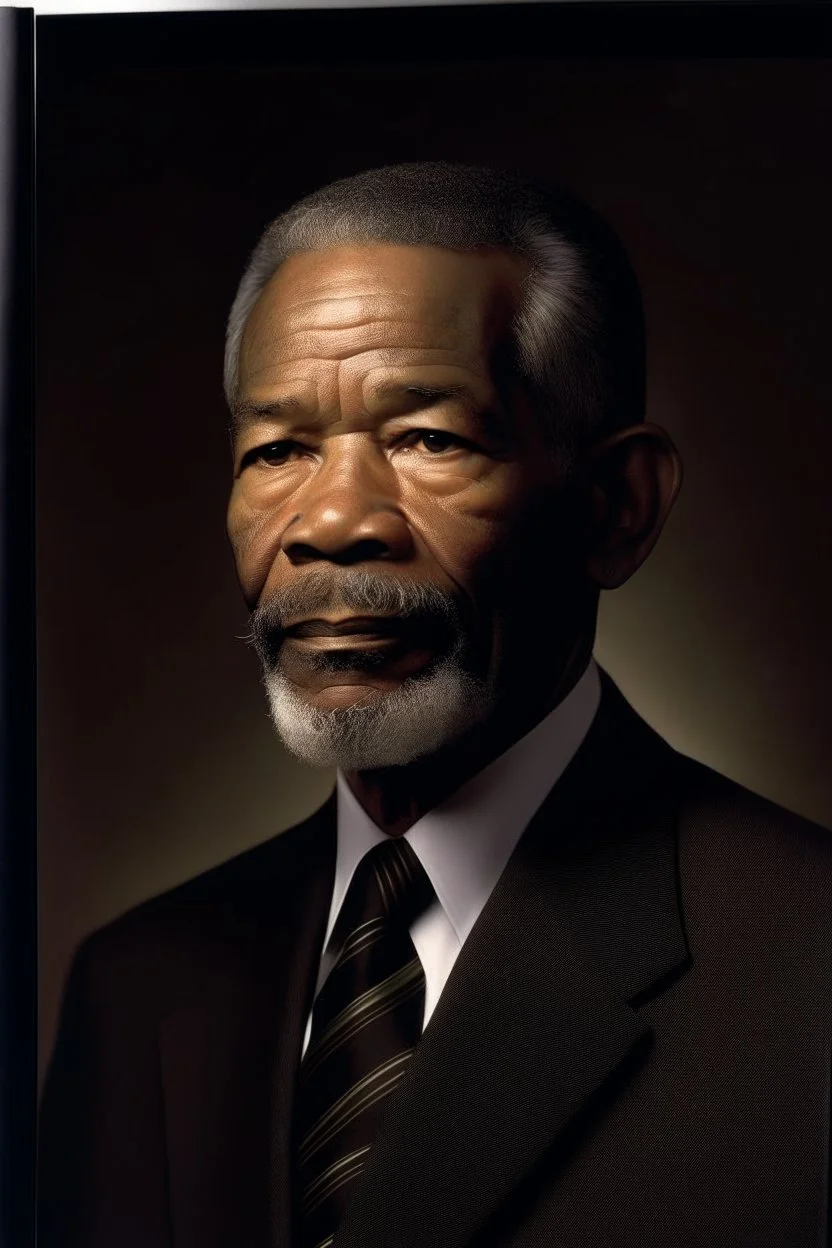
(529, 977)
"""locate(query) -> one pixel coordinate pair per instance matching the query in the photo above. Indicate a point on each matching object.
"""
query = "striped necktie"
(366, 1022)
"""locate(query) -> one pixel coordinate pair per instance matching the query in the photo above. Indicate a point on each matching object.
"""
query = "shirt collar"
(465, 842)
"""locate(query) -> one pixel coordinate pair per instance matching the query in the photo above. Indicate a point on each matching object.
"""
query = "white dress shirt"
(465, 842)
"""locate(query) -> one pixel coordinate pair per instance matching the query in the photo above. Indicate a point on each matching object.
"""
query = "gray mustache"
(325, 589)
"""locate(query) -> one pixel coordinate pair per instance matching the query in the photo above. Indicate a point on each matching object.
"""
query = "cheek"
(255, 535)
(469, 527)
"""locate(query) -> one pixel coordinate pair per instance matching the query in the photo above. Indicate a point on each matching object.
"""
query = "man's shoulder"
(743, 854)
(720, 804)
(714, 813)
(213, 912)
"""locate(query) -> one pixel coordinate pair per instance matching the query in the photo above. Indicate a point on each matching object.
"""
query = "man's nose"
(348, 513)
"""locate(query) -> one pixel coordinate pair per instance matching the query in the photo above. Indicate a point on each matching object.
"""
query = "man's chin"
(359, 726)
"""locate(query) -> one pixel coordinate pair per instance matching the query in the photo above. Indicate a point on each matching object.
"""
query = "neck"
(396, 797)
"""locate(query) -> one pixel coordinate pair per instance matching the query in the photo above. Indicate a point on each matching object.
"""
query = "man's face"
(389, 483)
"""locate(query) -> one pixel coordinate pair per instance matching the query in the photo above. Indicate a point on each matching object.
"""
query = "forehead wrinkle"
(368, 305)
(353, 341)
(407, 321)
(343, 311)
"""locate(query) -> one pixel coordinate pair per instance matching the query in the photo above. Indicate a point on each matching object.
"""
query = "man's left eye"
(436, 440)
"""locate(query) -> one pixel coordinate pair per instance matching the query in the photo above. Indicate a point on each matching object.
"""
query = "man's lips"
(399, 639)
(370, 627)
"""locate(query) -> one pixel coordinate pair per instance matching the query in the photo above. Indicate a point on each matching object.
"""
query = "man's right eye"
(271, 454)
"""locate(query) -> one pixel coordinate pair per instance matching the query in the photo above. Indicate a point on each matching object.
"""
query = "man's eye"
(273, 454)
(436, 440)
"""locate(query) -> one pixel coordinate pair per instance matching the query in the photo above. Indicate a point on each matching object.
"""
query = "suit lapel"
(537, 1028)
(229, 1055)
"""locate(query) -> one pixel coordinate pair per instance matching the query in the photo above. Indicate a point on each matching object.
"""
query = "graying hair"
(578, 336)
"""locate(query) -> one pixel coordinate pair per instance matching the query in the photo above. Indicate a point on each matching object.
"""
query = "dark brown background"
(156, 176)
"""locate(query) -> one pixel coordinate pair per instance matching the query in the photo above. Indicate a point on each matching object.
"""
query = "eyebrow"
(246, 412)
(396, 389)
(249, 411)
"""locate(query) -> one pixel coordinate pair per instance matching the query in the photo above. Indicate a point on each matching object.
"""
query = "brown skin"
(479, 506)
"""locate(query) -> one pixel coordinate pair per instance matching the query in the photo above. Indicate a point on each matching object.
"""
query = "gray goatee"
(384, 729)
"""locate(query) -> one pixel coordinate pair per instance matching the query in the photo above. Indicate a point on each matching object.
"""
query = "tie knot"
(389, 883)
(401, 879)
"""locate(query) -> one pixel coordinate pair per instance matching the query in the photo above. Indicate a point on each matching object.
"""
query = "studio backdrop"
(161, 158)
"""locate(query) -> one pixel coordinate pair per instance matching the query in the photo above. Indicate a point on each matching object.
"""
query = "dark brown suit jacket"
(633, 1048)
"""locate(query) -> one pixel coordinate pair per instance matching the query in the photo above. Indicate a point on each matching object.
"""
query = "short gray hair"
(578, 336)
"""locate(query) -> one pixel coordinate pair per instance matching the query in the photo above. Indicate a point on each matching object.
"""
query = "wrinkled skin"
(379, 426)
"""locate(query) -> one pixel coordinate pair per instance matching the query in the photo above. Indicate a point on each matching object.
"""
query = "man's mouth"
(364, 643)
(367, 632)
(353, 629)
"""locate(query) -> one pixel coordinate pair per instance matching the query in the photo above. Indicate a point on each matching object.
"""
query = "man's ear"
(632, 479)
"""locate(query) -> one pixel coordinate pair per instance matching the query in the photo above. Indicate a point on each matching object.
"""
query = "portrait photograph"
(432, 537)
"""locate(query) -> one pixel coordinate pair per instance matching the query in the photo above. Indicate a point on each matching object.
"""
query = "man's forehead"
(408, 287)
